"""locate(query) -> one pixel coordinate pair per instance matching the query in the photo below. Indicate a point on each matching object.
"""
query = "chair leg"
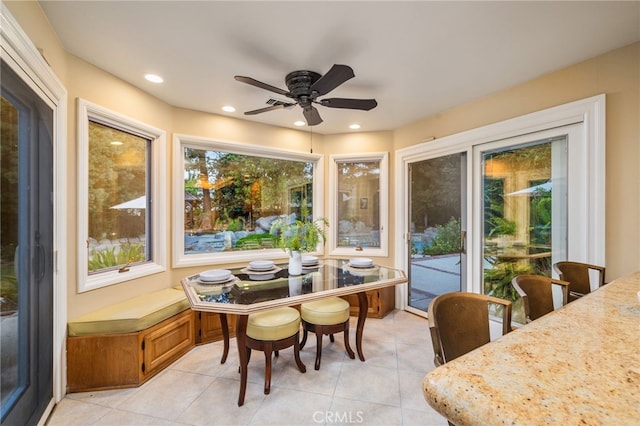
(296, 355)
(347, 346)
(267, 371)
(304, 337)
(319, 333)
(331, 338)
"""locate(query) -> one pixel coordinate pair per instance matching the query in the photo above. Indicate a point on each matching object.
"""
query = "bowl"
(215, 275)
(261, 265)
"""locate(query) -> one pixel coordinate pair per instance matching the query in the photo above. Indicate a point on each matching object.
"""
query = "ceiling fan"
(304, 89)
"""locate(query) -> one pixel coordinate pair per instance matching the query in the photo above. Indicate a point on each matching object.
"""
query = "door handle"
(463, 241)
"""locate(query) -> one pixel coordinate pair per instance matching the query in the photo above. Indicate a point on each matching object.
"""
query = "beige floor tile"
(346, 411)
(283, 407)
(369, 383)
(168, 394)
(70, 412)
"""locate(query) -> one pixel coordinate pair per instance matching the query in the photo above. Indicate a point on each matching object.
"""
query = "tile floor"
(386, 389)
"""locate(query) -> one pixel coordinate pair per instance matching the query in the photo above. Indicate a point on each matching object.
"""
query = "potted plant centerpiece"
(300, 236)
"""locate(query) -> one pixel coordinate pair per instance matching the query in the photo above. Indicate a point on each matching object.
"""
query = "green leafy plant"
(116, 256)
(303, 235)
(446, 240)
(502, 226)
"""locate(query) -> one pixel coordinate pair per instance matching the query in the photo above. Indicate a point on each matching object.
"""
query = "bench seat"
(126, 344)
(132, 315)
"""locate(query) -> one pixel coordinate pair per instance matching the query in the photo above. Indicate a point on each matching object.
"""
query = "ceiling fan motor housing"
(299, 83)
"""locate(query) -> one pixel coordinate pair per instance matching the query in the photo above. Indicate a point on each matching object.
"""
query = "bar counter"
(579, 365)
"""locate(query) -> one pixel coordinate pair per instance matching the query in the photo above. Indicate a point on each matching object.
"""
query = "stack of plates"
(261, 270)
(361, 262)
(215, 277)
(310, 261)
(261, 265)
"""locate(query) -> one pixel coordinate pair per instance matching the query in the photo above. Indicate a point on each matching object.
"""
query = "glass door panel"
(26, 253)
(437, 197)
(524, 213)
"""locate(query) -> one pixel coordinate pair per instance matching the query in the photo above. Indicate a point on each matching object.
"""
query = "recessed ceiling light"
(153, 78)
(115, 143)
(354, 126)
(299, 123)
(228, 108)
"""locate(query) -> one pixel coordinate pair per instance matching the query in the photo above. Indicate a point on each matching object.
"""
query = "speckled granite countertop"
(579, 365)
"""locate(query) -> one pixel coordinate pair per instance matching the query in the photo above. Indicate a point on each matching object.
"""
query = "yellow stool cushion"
(132, 315)
(274, 324)
(329, 311)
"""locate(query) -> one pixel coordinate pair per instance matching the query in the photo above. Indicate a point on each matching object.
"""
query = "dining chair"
(271, 331)
(578, 276)
(536, 292)
(325, 316)
(459, 323)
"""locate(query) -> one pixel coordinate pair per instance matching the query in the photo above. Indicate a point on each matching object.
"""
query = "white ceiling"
(415, 58)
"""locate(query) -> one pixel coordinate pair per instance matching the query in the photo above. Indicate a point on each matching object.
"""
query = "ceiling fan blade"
(256, 83)
(337, 75)
(265, 109)
(312, 115)
(364, 104)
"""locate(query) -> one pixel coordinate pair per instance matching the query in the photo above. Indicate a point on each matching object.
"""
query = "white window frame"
(586, 242)
(383, 158)
(180, 141)
(88, 111)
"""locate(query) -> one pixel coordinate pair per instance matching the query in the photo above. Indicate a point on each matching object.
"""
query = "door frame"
(588, 112)
(27, 62)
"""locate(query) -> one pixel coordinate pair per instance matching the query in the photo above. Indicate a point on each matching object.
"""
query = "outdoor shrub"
(115, 256)
(446, 240)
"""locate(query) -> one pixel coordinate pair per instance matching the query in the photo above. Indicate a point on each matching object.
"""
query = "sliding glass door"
(26, 250)
(437, 205)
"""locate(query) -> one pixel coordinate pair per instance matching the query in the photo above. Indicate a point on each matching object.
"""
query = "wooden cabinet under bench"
(124, 345)
(381, 302)
(121, 360)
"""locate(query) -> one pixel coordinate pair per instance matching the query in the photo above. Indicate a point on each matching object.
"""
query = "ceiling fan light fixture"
(153, 78)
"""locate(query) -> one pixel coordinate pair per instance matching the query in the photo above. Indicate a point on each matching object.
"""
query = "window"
(121, 198)
(227, 196)
(359, 204)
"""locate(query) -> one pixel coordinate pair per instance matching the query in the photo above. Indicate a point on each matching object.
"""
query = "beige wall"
(617, 74)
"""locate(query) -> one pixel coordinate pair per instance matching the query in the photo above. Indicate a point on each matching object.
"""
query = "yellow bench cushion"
(329, 311)
(131, 315)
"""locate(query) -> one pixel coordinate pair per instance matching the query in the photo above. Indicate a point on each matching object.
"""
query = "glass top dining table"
(250, 291)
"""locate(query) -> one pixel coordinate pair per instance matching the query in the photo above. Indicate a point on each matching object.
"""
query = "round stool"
(326, 316)
(270, 331)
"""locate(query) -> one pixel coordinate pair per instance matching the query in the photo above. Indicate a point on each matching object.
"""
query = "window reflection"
(118, 205)
(358, 203)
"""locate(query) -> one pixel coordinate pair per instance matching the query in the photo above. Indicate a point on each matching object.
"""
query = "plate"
(215, 275)
(253, 273)
(262, 277)
(309, 260)
(218, 284)
(261, 265)
(361, 262)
